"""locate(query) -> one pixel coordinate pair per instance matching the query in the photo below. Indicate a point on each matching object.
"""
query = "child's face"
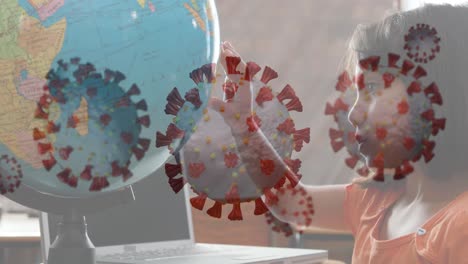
(381, 120)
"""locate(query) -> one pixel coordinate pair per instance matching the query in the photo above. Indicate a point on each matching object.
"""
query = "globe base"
(72, 244)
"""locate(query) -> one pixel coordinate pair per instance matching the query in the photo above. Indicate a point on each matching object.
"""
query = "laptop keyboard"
(149, 255)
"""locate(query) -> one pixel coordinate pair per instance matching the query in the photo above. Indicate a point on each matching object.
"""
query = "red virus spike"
(141, 105)
(260, 207)
(116, 169)
(428, 154)
(86, 173)
(286, 93)
(329, 109)
(196, 169)
(230, 90)
(335, 134)
(73, 121)
(126, 137)
(105, 119)
(64, 153)
(230, 160)
(264, 95)
(398, 174)
(64, 175)
(414, 87)
(268, 75)
(209, 70)
(126, 174)
(388, 79)
(280, 183)
(340, 105)
(236, 213)
(270, 197)
(337, 145)
(406, 67)
(251, 70)
(294, 165)
(379, 176)
(197, 76)
(139, 153)
(370, 63)
(299, 137)
(174, 132)
(360, 81)
(294, 105)
(379, 160)
(91, 92)
(176, 184)
(44, 101)
(253, 122)
(409, 143)
(287, 126)
(43, 148)
(352, 161)
(144, 121)
(403, 107)
(267, 166)
(199, 201)
(52, 127)
(407, 168)
(419, 72)
(436, 99)
(216, 210)
(144, 143)
(50, 163)
(231, 65)
(162, 140)
(344, 81)
(73, 181)
(39, 113)
(393, 59)
(98, 184)
(174, 102)
(193, 96)
(438, 124)
(173, 170)
(292, 178)
(37, 134)
(381, 133)
(124, 102)
(134, 90)
(428, 115)
(428, 145)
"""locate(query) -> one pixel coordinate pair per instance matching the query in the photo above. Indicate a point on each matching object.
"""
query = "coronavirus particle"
(10, 174)
(411, 118)
(88, 127)
(422, 43)
(242, 147)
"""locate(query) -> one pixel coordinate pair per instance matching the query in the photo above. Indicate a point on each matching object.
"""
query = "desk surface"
(19, 228)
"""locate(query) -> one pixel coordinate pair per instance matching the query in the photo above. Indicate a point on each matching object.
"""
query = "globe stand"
(72, 244)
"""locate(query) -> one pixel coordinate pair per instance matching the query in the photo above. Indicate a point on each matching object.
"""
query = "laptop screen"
(156, 215)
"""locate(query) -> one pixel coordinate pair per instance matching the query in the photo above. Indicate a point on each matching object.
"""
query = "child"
(419, 214)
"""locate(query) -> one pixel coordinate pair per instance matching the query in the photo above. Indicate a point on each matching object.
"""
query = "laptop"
(157, 228)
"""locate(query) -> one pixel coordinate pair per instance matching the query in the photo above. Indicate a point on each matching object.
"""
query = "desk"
(19, 239)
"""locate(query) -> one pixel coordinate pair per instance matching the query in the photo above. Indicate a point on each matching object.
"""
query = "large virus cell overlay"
(422, 43)
(300, 214)
(419, 108)
(10, 174)
(88, 126)
(228, 157)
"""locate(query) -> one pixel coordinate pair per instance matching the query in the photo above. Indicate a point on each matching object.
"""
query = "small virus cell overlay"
(422, 43)
(238, 152)
(87, 125)
(10, 174)
(300, 214)
(418, 108)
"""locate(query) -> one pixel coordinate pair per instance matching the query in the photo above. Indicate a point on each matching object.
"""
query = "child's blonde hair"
(449, 70)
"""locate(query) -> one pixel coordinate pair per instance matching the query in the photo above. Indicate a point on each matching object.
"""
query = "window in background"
(412, 4)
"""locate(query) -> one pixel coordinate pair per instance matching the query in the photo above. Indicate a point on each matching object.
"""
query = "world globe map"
(83, 87)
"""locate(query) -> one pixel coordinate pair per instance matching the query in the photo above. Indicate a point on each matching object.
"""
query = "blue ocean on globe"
(85, 86)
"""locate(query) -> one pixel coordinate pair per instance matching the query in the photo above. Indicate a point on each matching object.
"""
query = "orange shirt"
(442, 239)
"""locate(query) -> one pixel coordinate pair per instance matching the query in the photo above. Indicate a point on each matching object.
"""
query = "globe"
(84, 85)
